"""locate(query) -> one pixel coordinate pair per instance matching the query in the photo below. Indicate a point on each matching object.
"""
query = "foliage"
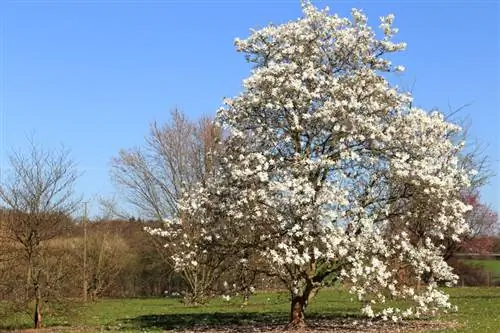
(482, 220)
(479, 245)
(482, 223)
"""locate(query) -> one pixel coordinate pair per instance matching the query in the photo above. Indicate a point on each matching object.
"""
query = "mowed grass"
(479, 312)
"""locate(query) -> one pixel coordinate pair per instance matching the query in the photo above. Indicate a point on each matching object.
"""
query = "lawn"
(479, 312)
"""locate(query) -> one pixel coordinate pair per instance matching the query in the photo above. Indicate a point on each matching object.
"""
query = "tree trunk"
(37, 318)
(28, 278)
(246, 297)
(297, 312)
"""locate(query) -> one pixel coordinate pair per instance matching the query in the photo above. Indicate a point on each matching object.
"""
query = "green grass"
(491, 265)
(60, 314)
(479, 312)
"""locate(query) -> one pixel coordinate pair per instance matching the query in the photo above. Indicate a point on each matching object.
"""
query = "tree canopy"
(323, 155)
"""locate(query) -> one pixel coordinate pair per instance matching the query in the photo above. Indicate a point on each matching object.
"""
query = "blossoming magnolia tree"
(322, 156)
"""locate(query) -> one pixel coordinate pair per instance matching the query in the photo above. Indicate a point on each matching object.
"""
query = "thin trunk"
(37, 318)
(85, 287)
(246, 297)
(29, 271)
(195, 295)
(28, 279)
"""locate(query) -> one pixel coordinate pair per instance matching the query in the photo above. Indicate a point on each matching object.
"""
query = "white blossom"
(327, 167)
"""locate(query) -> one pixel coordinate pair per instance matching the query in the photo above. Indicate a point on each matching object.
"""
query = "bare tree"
(108, 255)
(37, 198)
(176, 156)
(110, 209)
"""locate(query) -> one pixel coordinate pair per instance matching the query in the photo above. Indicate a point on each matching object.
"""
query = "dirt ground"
(337, 326)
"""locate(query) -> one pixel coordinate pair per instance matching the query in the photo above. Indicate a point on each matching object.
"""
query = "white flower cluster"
(328, 174)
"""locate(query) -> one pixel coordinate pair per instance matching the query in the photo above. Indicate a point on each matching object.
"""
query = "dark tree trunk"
(37, 318)
(299, 304)
(297, 312)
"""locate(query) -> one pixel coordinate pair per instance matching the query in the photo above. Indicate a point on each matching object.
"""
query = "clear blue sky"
(93, 74)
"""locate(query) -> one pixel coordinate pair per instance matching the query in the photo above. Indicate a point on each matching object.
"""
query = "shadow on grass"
(229, 322)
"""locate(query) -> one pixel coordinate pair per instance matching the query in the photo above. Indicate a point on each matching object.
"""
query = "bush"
(470, 274)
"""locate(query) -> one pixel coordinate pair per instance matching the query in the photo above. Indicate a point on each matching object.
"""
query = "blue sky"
(94, 74)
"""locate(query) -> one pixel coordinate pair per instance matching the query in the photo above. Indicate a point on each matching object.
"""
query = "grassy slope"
(479, 312)
(491, 265)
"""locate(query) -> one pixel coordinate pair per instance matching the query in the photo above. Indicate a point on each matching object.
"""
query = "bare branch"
(176, 156)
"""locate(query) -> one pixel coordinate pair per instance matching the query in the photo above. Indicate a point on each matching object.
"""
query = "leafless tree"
(176, 156)
(38, 198)
(108, 255)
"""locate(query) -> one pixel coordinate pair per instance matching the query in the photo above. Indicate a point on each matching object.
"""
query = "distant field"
(479, 312)
(490, 265)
